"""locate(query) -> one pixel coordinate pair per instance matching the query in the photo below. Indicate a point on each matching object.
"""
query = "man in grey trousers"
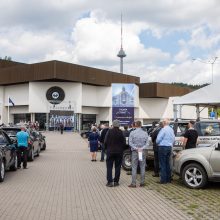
(138, 141)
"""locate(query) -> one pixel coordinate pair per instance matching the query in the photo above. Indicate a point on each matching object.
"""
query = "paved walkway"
(64, 184)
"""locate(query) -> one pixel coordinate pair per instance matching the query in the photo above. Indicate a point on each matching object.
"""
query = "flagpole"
(8, 110)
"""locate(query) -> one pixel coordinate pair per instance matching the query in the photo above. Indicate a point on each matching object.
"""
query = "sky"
(160, 37)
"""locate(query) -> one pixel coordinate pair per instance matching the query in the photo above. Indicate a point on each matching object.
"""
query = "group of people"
(113, 142)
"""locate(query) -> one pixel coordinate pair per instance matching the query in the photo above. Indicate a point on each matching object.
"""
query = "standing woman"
(93, 143)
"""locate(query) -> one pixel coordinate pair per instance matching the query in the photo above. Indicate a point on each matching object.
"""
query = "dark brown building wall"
(7, 63)
(91, 76)
(26, 73)
(161, 90)
(61, 71)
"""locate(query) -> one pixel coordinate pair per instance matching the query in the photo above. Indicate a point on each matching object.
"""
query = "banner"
(56, 118)
(123, 103)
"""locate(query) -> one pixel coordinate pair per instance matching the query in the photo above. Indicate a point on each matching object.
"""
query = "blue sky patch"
(167, 43)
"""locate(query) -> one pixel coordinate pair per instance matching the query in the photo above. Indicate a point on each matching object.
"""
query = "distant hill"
(194, 87)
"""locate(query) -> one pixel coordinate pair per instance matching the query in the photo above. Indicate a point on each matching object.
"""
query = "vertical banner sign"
(123, 103)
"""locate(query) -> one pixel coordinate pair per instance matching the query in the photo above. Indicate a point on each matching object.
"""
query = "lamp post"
(212, 62)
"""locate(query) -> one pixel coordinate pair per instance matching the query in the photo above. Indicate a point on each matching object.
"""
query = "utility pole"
(212, 62)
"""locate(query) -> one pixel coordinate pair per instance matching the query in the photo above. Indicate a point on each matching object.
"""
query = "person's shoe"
(92, 160)
(101, 160)
(95, 160)
(142, 185)
(25, 168)
(132, 186)
(19, 167)
(109, 185)
(158, 182)
(155, 175)
(116, 184)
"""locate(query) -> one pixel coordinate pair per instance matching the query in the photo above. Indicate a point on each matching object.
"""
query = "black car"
(8, 155)
(85, 134)
(33, 145)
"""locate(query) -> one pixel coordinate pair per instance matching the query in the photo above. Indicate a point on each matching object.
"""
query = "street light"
(212, 62)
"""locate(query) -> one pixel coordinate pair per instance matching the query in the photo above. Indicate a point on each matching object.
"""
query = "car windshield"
(181, 129)
(12, 132)
(210, 128)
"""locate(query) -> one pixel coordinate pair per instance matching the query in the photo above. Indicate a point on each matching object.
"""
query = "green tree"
(6, 58)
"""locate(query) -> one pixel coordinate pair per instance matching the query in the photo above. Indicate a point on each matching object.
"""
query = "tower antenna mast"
(121, 53)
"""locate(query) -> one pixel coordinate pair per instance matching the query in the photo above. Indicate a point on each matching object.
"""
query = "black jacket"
(114, 141)
(103, 133)
(154, 134)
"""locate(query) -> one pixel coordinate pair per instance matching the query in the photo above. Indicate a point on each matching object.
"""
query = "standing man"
(61, 128)
(102, 139)
(133, 127)
(165, 141)
(190, 136)
(154, 135)
(115, 145)
(22, 140)
(138, 141)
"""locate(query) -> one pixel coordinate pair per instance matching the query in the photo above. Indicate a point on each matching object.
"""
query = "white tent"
(208, 96)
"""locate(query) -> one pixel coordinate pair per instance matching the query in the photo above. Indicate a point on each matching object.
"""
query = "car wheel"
(44, 146)
(15, 164)
(126, 160)
(194, 176)
(31, 156)
(38, 152)
(2, 171)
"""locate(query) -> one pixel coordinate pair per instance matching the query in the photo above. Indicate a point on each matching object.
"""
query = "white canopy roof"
(206, 96)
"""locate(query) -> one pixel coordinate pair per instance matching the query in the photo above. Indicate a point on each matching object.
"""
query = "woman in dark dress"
(93, 143)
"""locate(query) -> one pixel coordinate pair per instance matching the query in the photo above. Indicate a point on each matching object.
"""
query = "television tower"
(121, 53)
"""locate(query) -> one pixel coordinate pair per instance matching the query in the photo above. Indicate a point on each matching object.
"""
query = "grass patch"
(193, 206)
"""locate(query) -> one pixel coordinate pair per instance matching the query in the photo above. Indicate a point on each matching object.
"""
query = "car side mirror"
(217, 147)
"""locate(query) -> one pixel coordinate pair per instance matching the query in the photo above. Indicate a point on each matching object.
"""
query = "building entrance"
(56, 118)
(22, 118)
(41, 119)
(87, 121)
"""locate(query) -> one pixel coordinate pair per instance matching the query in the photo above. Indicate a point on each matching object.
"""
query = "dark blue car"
(8, 155)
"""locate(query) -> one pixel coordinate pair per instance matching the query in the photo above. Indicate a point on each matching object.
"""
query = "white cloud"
(88, 33)
(21, 45)
(97, 40)
(200, 38)
(182, 55)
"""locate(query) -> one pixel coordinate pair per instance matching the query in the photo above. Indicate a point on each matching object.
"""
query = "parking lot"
(64, 184)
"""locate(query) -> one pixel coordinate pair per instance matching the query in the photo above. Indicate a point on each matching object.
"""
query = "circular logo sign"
(55, 95)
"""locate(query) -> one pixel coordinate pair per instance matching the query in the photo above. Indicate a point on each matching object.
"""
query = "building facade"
(54, 92)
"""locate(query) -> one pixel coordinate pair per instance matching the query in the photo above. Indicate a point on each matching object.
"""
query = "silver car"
(197, 166)
(208, 131)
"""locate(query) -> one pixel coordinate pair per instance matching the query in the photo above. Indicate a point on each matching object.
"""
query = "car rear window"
(210, 128)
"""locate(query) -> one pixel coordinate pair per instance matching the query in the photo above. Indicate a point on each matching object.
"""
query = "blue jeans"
(164, 161)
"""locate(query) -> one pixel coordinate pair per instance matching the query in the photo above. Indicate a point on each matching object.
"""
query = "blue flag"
(11, 102)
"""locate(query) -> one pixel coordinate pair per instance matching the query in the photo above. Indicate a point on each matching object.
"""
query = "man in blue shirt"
(22, 140)
(165, 141)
